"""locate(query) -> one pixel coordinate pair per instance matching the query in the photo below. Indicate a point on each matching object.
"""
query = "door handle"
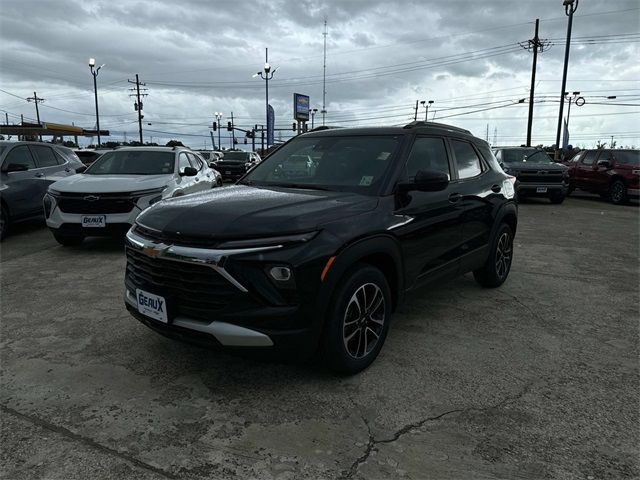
(39, 175)
(455, 197)
(496, 188)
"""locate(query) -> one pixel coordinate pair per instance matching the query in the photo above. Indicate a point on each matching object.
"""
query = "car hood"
(244, 212)
(548, 167)
(82, 183)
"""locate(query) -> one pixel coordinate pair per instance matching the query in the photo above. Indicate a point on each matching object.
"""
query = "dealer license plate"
(151, 305)
(541, 190)
(94, 221)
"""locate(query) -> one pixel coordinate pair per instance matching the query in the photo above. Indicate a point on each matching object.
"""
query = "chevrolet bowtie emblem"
(91, 198)
(153, 252)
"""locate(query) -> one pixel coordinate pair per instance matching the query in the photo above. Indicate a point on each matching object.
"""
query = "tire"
(557, 198)
(68, 240)
(570, 190)
(496, 269)
(618, 192)
(348, 335)
(4, 222)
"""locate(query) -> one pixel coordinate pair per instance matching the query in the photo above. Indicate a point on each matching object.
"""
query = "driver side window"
(183, 161)
(19, 156)
(427, 154)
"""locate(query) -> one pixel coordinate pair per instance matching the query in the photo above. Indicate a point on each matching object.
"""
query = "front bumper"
(217, 298)
(541, 189)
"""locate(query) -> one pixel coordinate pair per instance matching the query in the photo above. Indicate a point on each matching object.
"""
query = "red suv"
(613, 174)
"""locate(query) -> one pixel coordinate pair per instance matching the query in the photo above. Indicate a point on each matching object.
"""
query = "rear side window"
(427, 154)
(492, 160)
(44, 156)
(628, 157)
(19, 156)
(467, 160)
(589, 157)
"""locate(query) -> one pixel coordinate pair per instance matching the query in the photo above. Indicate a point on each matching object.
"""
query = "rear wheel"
(496, 269)
(68, 240)
(4, 222)
(618, 192)
(357, 320)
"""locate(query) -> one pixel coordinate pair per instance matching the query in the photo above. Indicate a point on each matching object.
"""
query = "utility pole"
(6, 118)
(36, 100)
(536, 45)
(495, 136)
(570, 6)
(137, 106)
(233, 133)
(415, 115)
(487, 136)
(324, 75)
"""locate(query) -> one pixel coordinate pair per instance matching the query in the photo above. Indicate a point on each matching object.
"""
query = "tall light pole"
(94, 72)
(313, 114)
(218, 116)
(426, 113)
(266, 75)
(570, 6)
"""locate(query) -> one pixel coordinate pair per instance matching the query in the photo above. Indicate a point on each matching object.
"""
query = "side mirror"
(188, 172)
(604, 163)
(427, 181)
(81, 169)
(16, 167)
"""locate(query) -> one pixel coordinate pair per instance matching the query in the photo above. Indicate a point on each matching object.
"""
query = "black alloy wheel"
(498, 265)
(357, 320)
(618, 192)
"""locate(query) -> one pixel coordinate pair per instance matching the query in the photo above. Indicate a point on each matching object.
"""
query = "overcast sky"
(198, 57)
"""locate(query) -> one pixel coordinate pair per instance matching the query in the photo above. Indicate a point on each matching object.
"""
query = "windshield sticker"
(383, 155)
(366, 180)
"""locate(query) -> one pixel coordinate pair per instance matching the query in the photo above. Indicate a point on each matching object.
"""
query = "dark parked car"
(235, 164)
(322, 260)
(26, 171)
(536, 173)
(614, 174)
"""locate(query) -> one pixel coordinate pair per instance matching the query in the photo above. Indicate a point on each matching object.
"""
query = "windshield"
(131, 162)
(523, 155)
(628, 157)
(345, 163)
(235, 157)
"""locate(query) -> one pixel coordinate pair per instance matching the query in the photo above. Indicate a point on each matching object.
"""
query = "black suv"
(536, 173)
(318, 263)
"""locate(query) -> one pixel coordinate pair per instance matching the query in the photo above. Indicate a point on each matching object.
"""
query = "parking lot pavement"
(537, 379)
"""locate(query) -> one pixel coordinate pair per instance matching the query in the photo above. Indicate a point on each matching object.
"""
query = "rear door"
(479, 188)
(201, 180)
(584, 169)
(432, 237)
(25, 189)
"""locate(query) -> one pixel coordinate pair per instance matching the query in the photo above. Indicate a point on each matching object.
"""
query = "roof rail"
(422, 123)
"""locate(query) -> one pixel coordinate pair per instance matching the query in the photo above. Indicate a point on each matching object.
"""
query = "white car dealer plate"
(541, 190)
(94, 221)
(151, 305)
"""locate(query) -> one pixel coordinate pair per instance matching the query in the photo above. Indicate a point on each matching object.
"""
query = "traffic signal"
(229, 127)
(294, 126)
(215, 126)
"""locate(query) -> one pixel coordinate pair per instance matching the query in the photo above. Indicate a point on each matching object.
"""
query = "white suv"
(111, 193)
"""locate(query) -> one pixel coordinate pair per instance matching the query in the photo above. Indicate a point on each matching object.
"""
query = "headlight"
(53, 193)
(48, 203)
(268, 241)
(145, 193)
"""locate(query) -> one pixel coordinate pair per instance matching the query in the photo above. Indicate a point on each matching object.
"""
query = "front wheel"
(557, 198)
(497, 267)
(618, 192)
(68, 240)
(357, 320)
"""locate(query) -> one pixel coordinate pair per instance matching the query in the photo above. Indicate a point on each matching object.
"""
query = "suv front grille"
(101, 205)
(191, 290)
(534, 176)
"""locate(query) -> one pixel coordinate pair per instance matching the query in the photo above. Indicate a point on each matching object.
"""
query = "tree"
(174, 143)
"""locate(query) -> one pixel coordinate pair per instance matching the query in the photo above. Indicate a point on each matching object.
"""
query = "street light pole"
(313, 114)
(426, 113)
(570, 6)
(218, 118)
(94, 73)
(266, 75)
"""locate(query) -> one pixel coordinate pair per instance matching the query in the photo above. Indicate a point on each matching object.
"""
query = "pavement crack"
(372, 442)
(87, 441)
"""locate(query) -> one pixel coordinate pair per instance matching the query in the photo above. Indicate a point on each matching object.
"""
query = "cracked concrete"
(538, 379)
